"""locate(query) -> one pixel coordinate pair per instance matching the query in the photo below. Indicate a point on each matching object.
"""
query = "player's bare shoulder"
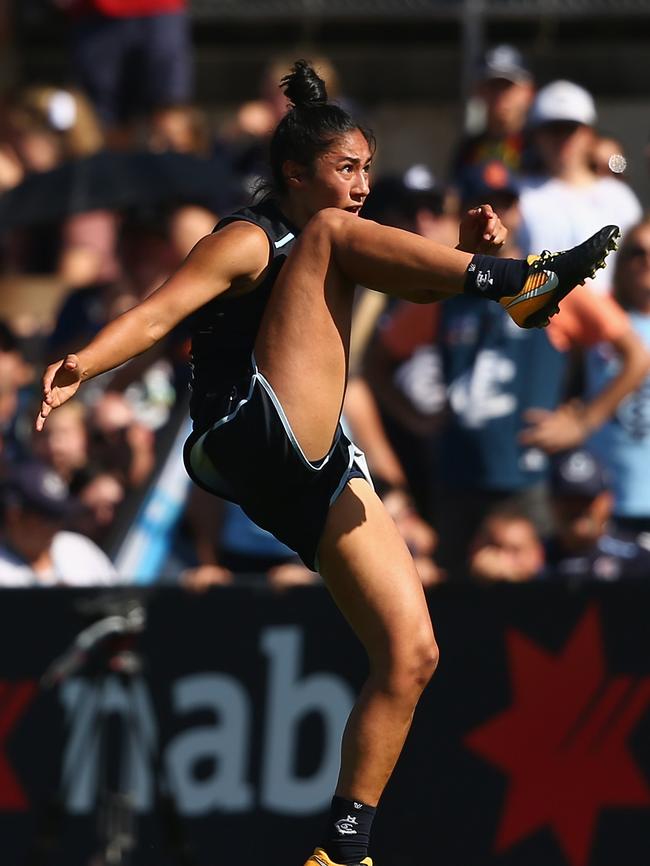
(239, 252)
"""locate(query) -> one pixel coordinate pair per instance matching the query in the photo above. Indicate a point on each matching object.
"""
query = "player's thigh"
(371, 576)
(303, 341)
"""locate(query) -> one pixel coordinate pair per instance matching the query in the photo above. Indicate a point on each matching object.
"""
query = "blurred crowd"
(501, 453)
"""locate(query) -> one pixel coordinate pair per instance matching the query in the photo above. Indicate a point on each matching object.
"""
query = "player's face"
(340, 176)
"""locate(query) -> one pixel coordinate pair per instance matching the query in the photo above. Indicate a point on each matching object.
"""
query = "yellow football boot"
(551, 277)
(320, 858)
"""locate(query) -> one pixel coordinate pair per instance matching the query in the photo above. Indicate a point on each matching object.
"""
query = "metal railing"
(292, 10)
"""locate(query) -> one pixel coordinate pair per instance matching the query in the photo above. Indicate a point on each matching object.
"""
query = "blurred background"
(157, 649)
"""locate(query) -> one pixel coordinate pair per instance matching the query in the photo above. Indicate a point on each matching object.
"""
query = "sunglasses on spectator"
(634, 251)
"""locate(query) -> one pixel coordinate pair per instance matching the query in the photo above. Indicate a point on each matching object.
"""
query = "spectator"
(88, 249)
(119, 442)
(69, 114)
(29, 145)
(151, 245)
(184, 129)
(181, 128)
(229, 546)
(505, 87)
(608, 157)
(47, 126)
(65, 446)
(492, 182)
(88, 240)
(506, 547)
(132, 57)
(585, 545)
(100, 496)
(187, 225)
(413, 393)
(85, 310)
(15, 376)
(568, 201)
(414, 201)
(623, 444)
(35, 548)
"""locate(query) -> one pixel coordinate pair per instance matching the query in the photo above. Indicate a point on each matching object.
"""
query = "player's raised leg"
(303, 341)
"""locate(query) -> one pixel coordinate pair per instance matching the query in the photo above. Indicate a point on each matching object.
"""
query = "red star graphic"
(563, 742)
(14, 699)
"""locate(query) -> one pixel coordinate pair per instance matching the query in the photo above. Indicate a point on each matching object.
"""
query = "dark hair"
(311, 124)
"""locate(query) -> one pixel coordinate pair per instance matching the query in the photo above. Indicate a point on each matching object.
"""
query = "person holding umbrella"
(271, 294)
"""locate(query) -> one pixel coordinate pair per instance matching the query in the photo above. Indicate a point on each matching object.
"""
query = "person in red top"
(122, 8)
(133, 57)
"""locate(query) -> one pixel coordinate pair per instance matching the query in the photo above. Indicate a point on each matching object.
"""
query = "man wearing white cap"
(570, 200)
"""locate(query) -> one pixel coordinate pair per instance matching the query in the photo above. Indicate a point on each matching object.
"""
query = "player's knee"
(427, 662)
(327, 225)
(411, 667)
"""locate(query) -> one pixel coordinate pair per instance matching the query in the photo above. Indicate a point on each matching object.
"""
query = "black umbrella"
(117, 181)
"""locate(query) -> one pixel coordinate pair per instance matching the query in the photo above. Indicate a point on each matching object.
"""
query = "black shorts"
(251, 456)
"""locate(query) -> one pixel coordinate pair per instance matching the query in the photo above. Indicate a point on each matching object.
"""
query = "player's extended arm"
(233, 259)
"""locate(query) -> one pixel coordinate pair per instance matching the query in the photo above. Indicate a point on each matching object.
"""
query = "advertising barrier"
(203, 730)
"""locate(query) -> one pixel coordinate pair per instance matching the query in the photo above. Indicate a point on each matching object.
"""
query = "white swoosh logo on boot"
(549, 286)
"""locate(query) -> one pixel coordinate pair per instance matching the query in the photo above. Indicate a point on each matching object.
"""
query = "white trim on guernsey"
(284, 240)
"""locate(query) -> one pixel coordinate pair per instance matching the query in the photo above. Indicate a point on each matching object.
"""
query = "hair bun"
(303, 87)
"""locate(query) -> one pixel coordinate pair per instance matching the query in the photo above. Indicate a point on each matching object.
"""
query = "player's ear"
(294, 173)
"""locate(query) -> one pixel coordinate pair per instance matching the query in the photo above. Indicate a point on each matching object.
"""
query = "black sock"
(348, 831)
(489, 277)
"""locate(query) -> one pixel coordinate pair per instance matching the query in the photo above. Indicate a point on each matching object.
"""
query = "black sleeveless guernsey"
(242, 447)
(224, 330)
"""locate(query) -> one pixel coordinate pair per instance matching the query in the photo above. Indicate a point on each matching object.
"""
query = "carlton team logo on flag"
(565, 742)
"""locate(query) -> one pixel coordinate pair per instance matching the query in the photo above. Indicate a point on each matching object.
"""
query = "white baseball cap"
(563, 100)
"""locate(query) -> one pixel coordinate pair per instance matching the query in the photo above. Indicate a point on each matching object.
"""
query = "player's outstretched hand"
(60, 382)
(481, 231)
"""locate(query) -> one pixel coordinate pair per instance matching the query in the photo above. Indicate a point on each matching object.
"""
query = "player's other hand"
(481, 231)
(60, 382)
